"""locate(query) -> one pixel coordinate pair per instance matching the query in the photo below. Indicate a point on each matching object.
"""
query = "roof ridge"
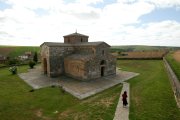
(75, 34)
(74, 45)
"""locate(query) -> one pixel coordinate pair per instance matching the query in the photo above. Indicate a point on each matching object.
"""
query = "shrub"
(35, 57)
(31, 64)
(13, 62)
(32, 90)
(62, 89)
(13, 70)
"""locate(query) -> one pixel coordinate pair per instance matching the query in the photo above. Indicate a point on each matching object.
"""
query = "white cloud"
(126, 13)
(165, 3)
(160, 33)
(157, 3)
(89, 1)
(21, 25)
(126, 1)
(33, 4)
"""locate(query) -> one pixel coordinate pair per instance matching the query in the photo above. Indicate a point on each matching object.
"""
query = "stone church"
(77, 58)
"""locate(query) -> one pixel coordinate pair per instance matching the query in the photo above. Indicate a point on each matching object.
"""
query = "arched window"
(81, 40)
(102, 52)
(102, 62)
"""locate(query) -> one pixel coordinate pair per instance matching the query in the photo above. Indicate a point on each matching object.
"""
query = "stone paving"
(79, 89)
(122, 113)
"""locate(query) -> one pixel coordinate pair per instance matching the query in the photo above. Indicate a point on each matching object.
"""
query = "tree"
(35, 57)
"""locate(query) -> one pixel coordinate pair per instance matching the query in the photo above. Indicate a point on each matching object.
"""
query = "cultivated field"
(14, 51)
(142, 55)
(176, 55)
(132, 48)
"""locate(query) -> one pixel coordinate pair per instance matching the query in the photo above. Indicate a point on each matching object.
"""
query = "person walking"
(124, 98)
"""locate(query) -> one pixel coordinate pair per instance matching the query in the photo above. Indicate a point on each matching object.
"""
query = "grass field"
(151, 97)
(17, 103)
(175, 65)
(151, 94)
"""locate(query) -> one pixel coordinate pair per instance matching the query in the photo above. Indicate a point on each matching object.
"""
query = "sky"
(117, 22)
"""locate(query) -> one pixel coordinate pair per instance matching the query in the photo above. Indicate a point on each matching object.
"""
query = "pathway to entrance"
(79, 89)
(122, 113)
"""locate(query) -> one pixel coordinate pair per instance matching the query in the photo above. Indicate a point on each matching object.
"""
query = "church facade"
(77, 58)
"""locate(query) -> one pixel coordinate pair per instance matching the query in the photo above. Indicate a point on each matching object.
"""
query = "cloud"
(126, 13)
(114, 23)
(87, 2)
(165, 3)
(159, 33)
(157, 3)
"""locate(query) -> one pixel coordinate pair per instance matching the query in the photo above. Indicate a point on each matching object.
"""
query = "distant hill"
(14, 51)
(141, 48)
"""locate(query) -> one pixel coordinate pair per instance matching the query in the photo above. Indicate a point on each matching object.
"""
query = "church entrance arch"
(45, 65)
(102, 71)
(102, 65)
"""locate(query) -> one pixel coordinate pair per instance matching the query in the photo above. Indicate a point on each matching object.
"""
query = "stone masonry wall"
(57, 55)
(102, 53)
(84, 50)
(45, 59)
(75, 39)
(75, 69)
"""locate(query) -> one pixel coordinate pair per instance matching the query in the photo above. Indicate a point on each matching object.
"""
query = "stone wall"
(102, 54)
(45, 66)
(56, 59)
(95, 67)
(75, 69)
(174, 82)
(94, 70)
(111, 65)
(75, 39)
(84, 50)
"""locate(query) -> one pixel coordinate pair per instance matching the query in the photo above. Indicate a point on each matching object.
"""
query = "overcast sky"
(117, 22)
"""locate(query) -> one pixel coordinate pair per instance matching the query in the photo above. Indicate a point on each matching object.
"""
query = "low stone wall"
(174, 82)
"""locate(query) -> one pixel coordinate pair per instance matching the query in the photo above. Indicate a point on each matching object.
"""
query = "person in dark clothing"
(124, 98)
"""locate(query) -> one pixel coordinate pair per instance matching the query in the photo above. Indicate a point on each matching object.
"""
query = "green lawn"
(151, 97)
(17, 103)
(2, 65)
(151, 94)
(174, 64)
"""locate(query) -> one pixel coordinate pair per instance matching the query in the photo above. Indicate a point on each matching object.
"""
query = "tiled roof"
(89, 43)
(75, 34)
(80, 57)
(54, 44)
